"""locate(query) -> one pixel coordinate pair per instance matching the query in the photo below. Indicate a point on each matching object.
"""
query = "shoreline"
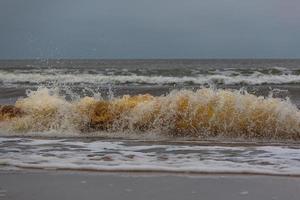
(48, 184)
(139, 172)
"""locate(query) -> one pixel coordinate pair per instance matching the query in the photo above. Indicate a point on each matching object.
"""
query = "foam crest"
(255, 78)
(205, 113)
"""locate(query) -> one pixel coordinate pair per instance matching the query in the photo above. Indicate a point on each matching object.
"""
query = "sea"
(218, 116)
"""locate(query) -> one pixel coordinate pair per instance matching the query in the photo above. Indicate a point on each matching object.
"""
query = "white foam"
(137, 156)
(253, 79)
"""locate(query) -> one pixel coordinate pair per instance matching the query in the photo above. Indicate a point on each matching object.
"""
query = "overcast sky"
(149, 28)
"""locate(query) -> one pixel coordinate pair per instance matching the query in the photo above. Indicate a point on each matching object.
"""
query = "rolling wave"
(98, 79)
(205, 113)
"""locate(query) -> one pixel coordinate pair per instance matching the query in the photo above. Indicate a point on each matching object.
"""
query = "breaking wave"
(82, 78)
(205, 113)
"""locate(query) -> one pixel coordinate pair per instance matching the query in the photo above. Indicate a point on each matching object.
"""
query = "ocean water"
(197, 116)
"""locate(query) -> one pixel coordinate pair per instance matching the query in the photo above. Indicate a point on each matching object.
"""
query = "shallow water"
(148, 156)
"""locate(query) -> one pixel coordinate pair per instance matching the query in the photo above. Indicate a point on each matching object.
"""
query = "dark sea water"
(52, 135)
(156, 77)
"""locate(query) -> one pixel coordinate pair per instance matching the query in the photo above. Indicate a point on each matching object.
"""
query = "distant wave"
(98, 79)
(204, 113)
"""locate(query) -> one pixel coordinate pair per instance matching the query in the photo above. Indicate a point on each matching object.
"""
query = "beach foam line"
(135, 156)
(205, 113)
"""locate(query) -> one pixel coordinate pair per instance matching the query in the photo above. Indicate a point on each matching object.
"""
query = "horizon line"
(156, 58)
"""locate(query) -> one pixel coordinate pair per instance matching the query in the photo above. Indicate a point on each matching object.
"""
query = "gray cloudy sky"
(149, 29)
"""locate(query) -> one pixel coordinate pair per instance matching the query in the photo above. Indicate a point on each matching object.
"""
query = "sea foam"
(225, 78)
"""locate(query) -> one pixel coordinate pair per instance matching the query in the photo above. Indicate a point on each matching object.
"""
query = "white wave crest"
(253, 79)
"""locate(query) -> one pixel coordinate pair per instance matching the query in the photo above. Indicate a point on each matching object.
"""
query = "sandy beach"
(46, 185)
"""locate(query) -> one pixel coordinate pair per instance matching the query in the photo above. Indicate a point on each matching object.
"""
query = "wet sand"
(36, 185)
